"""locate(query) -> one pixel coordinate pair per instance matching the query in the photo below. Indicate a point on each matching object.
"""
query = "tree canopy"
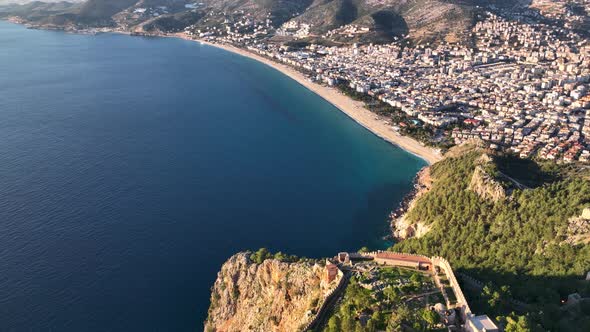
(518, 245)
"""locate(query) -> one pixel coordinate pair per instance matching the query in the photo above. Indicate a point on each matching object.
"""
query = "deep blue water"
(131, 168)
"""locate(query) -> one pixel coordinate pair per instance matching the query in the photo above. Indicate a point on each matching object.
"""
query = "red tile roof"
(403, 257)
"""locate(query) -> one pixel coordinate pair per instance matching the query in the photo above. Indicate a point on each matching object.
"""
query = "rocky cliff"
(402, 227)
(578, 229)
(271, 296)
(484, 185)
(405, 229)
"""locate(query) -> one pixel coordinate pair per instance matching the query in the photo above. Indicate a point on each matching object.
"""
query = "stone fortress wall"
(461, 300)
(472, 323)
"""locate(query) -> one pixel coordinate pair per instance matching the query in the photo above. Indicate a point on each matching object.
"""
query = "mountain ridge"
(421, 20)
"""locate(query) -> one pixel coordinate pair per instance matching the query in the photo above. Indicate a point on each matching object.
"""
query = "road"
(518, 184)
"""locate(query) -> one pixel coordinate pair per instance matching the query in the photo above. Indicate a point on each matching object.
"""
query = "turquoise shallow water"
(131, 168)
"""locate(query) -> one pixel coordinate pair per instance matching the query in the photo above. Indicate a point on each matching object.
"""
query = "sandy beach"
(354, 109)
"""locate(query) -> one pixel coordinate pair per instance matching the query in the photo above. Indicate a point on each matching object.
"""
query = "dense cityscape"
(521, 87)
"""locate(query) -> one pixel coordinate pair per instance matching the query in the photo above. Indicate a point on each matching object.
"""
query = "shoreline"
(353, 109)
(421, 184)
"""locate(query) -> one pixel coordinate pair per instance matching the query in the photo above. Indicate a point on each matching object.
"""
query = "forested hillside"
(521, 247)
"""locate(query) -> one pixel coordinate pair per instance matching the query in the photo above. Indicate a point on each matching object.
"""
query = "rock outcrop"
(271, 296)
(484, 185)
(578, 229)
(401, 227)
(405, 229)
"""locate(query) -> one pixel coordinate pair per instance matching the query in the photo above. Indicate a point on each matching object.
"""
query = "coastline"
(355, 110)
(352, 108)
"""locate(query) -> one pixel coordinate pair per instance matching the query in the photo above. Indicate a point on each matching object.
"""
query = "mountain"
(45, 12)
(386, 19)
(280, 10)
(104, 9)
(390, 17)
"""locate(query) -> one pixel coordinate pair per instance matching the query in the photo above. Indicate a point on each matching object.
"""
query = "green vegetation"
(357, 301)
(263, 254)
(174, 23)
(515, 323)
(409, 126)
(516, 245)
(388, 298)
(385, 19)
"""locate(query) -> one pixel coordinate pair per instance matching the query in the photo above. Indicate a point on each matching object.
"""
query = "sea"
(131, 168)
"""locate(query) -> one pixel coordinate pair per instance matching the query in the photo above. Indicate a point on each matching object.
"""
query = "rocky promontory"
(271, 295)
(401, 227)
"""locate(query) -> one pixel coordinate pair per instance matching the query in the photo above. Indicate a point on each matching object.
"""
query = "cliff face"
(402, 227)
(405, 229)
(578, 229)
(483, 183)
(486, 186)
(271, 296)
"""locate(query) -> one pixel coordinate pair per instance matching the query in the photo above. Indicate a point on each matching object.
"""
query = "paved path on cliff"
(518, 184)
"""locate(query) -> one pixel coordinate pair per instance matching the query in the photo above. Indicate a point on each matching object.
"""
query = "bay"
(132, 168)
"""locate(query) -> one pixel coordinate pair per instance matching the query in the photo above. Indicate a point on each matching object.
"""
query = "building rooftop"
(483, 323)
(403, 257)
